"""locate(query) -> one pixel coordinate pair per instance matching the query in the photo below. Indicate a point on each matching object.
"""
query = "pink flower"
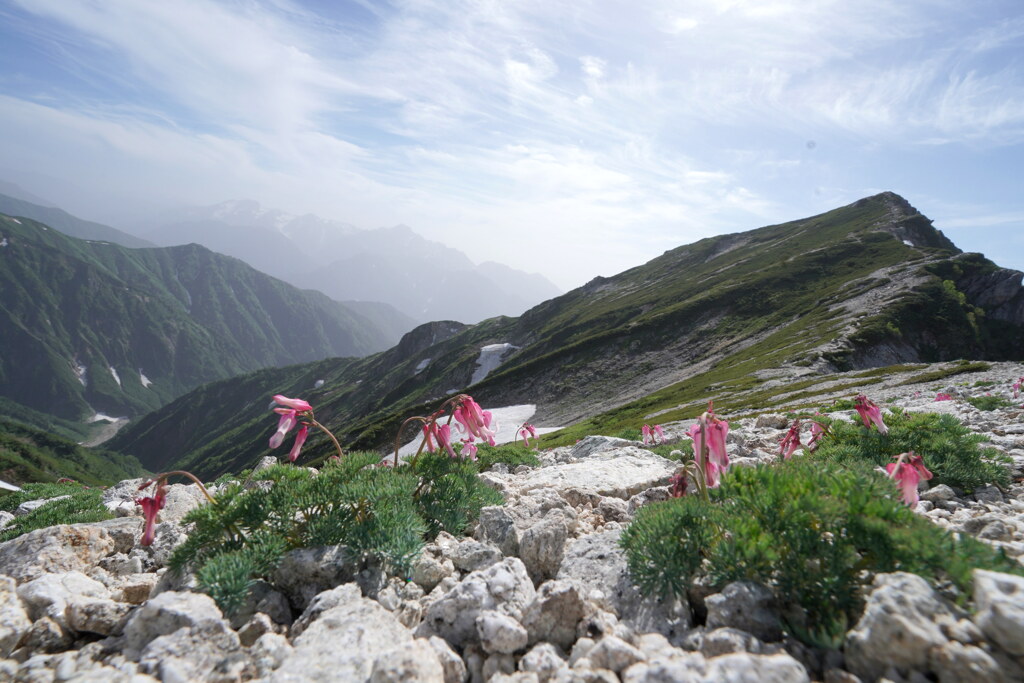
(429, 432)
(151, 505)
(659, 432)
(677, 482)
(711, 476)
(943, 397)
(653, 435)
(526, 431)
(646, 432)
(300, 438)
(868, 410)
(474, 421)
(444, 439)
(1016, 387)
(296, 404)
(469, 449)
(907, 471)
(817, 431)
(284, 425)
(791, 442)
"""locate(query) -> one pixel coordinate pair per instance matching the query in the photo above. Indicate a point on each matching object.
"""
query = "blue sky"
(570, 138)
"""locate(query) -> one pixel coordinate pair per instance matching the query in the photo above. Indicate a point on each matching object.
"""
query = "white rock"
(14, 622)
(165, 614)
(999, 599)
(499, 633)
(49, 594)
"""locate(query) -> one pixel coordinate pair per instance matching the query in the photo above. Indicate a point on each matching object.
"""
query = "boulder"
(53, 550)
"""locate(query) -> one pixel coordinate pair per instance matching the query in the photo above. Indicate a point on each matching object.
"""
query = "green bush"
(512, 454)
(379, 512)
(950, 450)
(630, 433)
(990, 402)
(82, 505)
(813, 532)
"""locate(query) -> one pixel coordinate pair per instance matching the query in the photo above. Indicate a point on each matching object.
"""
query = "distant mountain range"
(424, 279)
(87, 326)
(867, 285)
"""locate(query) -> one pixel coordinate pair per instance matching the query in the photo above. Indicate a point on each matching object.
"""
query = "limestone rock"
(554, 613)
(545, 660)
(499, 633)
(165, 614)
(504, 587)
(195, 653)
(49, 594)
(620, 473)
(999, 599)
(542, 546)
(96, 615)
(55, 549)
(452, 664)
(346, 642)
(416, 662)
(747, 606)
(614, 654)
(14, 622)
(898, 628)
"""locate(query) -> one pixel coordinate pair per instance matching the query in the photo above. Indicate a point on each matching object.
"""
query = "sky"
(572, 138)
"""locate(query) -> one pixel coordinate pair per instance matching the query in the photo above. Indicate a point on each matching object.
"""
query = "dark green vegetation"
(952, 452)
(82, 504)
(92, 326)
(511, 454)
(379, 514)
(990, 402)
(813, 533)
(32, 455)
(654, 343)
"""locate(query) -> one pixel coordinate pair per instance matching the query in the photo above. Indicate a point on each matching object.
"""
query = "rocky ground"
(539, 593)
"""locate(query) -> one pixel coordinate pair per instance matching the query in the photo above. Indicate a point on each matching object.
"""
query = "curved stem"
(190, 476)
(327, 431)
(398, 436)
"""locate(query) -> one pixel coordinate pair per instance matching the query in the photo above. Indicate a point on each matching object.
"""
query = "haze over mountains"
(424, 279)
(866, 285)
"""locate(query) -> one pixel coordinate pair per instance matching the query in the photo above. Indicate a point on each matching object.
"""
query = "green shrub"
(813, 532)
(512, 454)
(990, 402)
(665, 450)
(630, 433)
(82, 505)
(379, 512)
(950, 450)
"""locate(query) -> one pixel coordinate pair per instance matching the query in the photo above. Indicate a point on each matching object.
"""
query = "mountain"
(867, 285)
(91, 327)
(394, 265)
(66, 223)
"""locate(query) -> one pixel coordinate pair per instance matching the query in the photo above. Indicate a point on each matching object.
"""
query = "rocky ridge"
(540, 592)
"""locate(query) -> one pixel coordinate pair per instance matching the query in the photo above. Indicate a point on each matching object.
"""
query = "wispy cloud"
(602, 129)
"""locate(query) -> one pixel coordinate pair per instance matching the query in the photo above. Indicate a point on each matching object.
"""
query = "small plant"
(709, 461)
(990, 402)
(813, 532)
(653, 435)
(512, 455)
(950, 450)
(525, 432)
(83, 504)
(630, 434)
(375, 509)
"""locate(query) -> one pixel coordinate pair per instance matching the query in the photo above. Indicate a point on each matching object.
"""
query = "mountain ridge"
(650, 339)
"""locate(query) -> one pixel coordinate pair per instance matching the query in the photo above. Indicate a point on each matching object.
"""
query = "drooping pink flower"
(469, 449)
(429, 432)
(527, 431)
(870, 412)
(907, 471)
(943, 397)
(817, 431)
(284, 425)
(659, 432)
(645, 431)
(444, 439)
(718, 430)
(300, 438)
(711, 475)
(677, 483)
(296, 404)
(791, 441)
(475, 421)
(151, 505)
(1016, 387)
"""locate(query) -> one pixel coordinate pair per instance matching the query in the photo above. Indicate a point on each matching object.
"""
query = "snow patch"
(421, 366)
(908, 243)
(490, 358)
(317, 384)
(3, 242)
(504, 421)
(19, 222)
(113, 373)
(99, 417)
(80, 372)
(142, 378)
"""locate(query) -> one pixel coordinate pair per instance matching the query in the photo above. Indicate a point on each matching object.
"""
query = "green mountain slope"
(866, 285)
(68, 224)
(92, 326)
(31, 455)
